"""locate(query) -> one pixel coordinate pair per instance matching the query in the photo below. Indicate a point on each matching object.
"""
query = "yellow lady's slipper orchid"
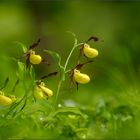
(80, 77)
(46, 91)
(42, 92)
(38, 94)
(89, 52)
(35, 59)
(5, 101)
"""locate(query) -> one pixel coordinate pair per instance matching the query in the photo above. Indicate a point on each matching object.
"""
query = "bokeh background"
(115, 73)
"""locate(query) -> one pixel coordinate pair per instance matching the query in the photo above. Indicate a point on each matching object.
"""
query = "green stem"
(58, 90)
(23, 99)
(65, 67)
(68, 58)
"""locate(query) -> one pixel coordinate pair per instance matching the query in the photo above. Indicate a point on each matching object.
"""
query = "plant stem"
(65, 67)
(58, 90)
(68, 58)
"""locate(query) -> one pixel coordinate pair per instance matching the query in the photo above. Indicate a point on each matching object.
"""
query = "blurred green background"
(115, 73)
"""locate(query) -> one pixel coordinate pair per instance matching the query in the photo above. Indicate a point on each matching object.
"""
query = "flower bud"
(80, 77)
(89, 52)
(5, 101)
(35, 59)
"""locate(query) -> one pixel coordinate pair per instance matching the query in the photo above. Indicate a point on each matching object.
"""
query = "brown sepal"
(92, 38)
(34, 45)
(50, 74)
(79, 66)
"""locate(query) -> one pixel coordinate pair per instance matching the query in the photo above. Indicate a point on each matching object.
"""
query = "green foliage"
(49, 119)
(57, 58)
(106, 108)
(24, 48)
(20, 70)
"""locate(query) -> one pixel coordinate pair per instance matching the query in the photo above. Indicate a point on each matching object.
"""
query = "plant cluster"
(40, 90)
(36, 92)
(52, 119)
